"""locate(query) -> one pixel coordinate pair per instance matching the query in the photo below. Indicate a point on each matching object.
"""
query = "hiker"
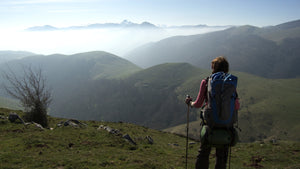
(219, 64)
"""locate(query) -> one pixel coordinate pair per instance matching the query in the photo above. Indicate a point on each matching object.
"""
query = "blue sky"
(60, 13)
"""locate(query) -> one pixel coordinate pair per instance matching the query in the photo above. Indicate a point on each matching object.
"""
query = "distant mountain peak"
(42, 28)
(123, 24)
(126, 22)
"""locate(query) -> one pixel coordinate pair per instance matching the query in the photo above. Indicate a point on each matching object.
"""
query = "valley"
(101, 86)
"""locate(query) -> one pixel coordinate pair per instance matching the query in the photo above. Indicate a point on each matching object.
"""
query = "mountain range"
(6, 56)
(105, 87)
(271, 52)
(125, 24)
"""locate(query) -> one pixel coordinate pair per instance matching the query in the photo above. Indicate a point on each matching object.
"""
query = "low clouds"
(118, 41)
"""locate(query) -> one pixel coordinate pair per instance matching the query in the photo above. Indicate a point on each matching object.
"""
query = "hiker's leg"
(203, 157)
(221, 158)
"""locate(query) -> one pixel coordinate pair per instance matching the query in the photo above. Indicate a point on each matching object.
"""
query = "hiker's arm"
(237, 104)
(201, 95)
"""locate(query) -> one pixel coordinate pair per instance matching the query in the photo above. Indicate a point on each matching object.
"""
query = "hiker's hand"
(188, 100)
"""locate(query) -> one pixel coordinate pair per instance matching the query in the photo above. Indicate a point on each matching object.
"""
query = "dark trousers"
(203, 157)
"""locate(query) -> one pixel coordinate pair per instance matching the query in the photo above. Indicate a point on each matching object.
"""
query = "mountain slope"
(154, 97)
(269, 109)
(282, 31)
(146, 97)
(65, 73)
(91, 146)
(88, 146)
(248, 49)
(89, 65)
(6, 56)
(88, 87)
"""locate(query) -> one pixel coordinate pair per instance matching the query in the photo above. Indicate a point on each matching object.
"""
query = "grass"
(283, 154)
(87, 147)
(269, 107)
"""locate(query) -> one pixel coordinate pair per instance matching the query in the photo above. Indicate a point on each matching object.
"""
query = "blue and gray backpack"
(219, 115)
(221, 95)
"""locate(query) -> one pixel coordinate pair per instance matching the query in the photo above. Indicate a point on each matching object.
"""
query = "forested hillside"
(271, 52)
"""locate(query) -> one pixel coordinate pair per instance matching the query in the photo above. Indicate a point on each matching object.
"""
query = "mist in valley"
(118, 41)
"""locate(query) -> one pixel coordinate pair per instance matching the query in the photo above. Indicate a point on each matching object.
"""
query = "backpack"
(219, 115)
(221, 95)
(218, 137)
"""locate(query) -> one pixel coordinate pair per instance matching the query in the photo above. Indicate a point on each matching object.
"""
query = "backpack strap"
(225, 77)
(206, 98)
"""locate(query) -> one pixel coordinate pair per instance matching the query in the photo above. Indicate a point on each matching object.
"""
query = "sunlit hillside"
(89, 145)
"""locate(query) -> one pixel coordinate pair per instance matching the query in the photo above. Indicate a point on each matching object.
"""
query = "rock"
(3, 117)
(150, 140)
(13, 117)
(109, 129)
(100, 127)
(117, 133)
(38, 125)
(128, 138)
(72, 123)
(77, 122)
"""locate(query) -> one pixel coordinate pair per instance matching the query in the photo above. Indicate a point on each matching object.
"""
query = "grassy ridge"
(269, 107)
(273, 50)
(67, 147)
(106, 65)
(154, 97)
(87, 147)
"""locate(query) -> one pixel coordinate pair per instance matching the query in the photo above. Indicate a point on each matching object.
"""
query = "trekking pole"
(229, 157)
(187, 134)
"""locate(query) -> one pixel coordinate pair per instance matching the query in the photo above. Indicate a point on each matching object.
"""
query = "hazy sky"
(60, 13)
(17, 15)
